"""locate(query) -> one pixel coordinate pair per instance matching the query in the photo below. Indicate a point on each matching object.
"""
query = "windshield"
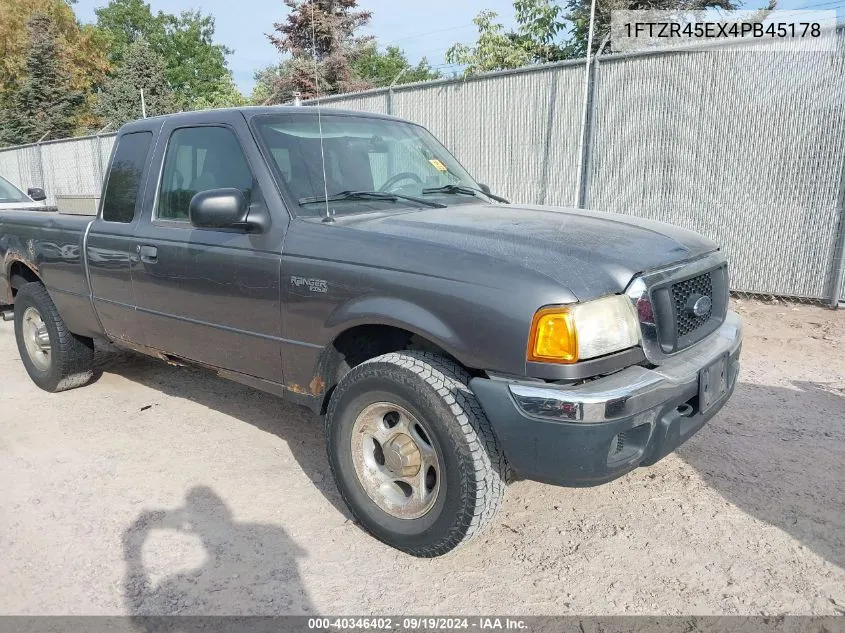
(362, 154)
(10, 193)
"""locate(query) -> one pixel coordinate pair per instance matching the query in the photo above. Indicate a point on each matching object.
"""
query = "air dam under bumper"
(605, 428)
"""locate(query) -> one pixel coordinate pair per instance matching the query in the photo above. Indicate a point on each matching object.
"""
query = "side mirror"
(218, 209)
(484, 188)
(37, 194)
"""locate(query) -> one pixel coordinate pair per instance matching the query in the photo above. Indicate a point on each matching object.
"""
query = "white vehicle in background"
(13, 198)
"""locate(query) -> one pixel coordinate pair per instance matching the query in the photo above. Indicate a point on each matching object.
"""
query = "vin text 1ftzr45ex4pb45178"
(449, 339)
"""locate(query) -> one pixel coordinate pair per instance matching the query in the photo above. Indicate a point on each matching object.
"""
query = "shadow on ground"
(297, 426)
(778, 454)
(248, 567)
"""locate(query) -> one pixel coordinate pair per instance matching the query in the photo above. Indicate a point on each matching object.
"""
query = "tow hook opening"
(629, 444)
(686, 410)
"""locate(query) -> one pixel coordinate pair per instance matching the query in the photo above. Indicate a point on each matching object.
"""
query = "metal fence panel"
(9, 168)
(842, 286)
(71, 168)
(376, 101)
(22, 166)
(105, 144)
(745, 147)
(516, 132)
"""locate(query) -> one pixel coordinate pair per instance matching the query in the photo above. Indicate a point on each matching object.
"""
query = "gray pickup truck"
(347, 262)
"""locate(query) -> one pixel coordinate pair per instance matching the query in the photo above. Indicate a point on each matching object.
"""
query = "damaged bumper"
(592, 433)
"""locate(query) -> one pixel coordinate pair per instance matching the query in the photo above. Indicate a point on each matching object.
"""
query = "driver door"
(211, 295)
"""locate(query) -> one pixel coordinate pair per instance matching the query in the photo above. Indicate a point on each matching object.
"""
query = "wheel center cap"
(401, 456)
(42, 338)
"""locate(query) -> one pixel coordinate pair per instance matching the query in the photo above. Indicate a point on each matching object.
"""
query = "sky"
(422, 28)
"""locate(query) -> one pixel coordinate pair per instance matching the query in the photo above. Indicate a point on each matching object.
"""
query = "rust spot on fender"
(13, 256)
(318, 385)
(298, 389)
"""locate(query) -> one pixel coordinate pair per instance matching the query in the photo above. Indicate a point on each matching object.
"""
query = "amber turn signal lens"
(553, 337)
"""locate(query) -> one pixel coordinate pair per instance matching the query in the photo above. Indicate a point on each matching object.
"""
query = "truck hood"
(590, 253)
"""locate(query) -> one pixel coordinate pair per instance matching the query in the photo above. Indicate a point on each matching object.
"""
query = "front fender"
(399, 313)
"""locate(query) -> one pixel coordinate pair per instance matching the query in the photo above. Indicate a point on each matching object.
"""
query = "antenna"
(328, 217)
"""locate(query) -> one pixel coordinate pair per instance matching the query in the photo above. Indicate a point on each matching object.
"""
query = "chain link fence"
(744, 146)
(66, 169)
(747, 147)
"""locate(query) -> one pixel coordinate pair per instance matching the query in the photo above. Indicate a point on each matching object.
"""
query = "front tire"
(413, 454)
(54, 358)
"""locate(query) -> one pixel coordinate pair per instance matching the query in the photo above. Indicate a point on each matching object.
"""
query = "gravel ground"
(166, 490)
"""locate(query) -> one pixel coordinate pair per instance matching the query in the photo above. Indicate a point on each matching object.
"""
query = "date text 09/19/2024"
(414, 623)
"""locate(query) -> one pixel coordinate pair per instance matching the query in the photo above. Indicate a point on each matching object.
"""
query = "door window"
(127, 168)
(199, 159)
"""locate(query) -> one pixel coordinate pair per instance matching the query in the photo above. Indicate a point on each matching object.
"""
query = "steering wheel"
(402, 175)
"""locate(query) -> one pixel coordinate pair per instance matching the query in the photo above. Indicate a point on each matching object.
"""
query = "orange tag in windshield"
(438, 165)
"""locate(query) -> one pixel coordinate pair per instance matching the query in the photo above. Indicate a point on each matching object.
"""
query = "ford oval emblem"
(702, 306)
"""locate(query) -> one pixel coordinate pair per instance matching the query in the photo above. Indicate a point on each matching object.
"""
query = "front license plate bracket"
(712, 383)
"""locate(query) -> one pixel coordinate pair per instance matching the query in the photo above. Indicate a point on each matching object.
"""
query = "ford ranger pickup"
(450, 340)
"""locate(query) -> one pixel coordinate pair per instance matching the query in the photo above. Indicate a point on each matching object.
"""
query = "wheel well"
(361, 343)
(19, 274)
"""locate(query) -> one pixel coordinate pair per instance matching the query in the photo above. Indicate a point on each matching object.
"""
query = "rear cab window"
(120, 201)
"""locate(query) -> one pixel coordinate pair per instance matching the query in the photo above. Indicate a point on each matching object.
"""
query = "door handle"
(149, 254)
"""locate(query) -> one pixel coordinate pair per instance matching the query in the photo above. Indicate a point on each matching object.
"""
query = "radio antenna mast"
(328, 217)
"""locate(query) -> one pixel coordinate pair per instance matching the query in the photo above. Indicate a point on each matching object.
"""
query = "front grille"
(682, 295)
(674, 301)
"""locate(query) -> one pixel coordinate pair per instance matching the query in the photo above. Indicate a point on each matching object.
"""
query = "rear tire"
(413, 454)
(54, 358)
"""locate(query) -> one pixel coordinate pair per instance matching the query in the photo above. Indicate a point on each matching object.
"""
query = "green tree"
(383, 68)
(578, 15)
(46, 104)
(81, 51)
(267, 80)
(320, 38)
(142, 69)
(126, 21)
(548, 31)
(495, 48)
(535, 40)
(224, 95)
(540, 25)
(195, 66)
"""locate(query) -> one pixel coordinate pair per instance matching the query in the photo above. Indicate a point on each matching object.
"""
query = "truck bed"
(49, 244)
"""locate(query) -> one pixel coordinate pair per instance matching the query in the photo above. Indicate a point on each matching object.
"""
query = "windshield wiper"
(370, 195)
(465, 189)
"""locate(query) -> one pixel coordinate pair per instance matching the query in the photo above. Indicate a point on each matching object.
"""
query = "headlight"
(567, 334)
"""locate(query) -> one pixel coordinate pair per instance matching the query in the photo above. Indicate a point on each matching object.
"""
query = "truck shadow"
(248, 568)
(778, 454)
(297, 426)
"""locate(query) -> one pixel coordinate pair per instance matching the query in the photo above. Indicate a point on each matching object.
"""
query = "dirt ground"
(167, 490)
